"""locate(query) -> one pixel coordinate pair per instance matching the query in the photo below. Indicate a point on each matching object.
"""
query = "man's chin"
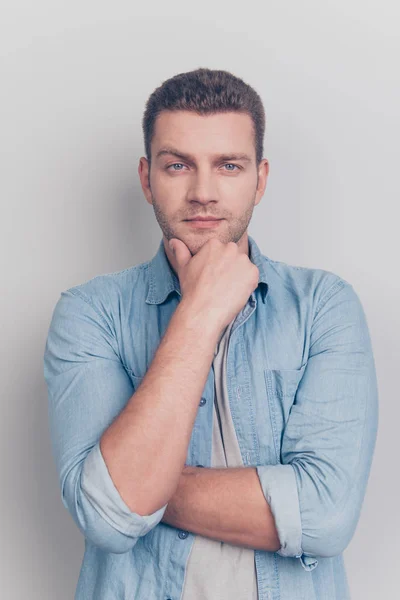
(195, 242)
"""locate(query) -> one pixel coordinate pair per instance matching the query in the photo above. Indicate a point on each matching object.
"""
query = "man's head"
(203, 133)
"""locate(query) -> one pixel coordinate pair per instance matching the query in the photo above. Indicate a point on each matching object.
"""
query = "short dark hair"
(205, 91)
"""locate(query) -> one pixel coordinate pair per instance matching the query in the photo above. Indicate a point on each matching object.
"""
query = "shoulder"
(310, 284)
(106, 292)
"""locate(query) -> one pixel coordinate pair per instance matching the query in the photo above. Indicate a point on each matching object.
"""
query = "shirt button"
(202, 402)
(183, 534)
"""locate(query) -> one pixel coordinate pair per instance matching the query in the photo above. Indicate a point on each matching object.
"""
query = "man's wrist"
(205, 325)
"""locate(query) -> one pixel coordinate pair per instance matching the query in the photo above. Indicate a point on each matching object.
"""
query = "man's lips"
(204, 223)
(204, 219)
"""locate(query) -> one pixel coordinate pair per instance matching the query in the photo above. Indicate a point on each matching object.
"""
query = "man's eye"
(174, 165)
(171, 167)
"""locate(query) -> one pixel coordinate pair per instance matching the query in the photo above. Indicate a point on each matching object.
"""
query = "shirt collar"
(163, 281)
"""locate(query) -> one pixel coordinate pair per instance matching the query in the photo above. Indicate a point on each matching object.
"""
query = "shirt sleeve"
(88, 387)
(316, 492)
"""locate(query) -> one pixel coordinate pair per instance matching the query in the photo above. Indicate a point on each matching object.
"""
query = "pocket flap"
(283, 382)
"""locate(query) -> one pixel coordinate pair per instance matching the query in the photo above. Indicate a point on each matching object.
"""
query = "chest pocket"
(281, 386)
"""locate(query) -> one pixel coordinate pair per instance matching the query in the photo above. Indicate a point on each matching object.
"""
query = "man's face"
(215, 175)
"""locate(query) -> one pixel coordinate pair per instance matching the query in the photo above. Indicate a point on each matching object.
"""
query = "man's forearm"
(144, 460)
(223, 504)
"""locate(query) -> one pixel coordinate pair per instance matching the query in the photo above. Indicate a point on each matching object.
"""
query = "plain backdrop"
(75, 78)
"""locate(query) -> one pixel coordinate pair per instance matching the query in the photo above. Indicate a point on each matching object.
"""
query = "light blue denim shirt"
(303, 395)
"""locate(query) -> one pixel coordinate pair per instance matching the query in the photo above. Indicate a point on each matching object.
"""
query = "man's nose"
(202, 189)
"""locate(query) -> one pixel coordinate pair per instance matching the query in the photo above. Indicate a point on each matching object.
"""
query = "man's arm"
(316, 492)
(146, 446)
(144, 460)
(117, 462)
(211, 502)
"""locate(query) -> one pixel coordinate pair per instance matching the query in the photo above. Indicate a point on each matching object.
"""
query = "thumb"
(181, 252)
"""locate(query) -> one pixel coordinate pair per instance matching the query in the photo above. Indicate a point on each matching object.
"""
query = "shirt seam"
(337, 285)
(78, 293)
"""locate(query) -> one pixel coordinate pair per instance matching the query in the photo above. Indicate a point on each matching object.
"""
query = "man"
(213, 412)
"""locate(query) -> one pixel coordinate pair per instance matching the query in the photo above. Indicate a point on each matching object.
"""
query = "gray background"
(75, 80)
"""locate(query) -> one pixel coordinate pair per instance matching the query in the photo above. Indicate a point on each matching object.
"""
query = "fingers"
(181, 252)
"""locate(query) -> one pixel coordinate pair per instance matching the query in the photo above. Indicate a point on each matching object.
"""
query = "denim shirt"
(303, 396)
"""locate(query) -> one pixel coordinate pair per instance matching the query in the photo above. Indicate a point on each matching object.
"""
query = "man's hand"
(217, 281)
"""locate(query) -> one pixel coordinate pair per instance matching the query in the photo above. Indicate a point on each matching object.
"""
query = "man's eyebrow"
(189, 158)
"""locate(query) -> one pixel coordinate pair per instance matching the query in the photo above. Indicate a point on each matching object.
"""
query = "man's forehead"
(192, 115)
(186, 135)
(178, 123)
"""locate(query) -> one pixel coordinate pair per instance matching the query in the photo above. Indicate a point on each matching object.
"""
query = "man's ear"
(144, 176)
(263, 172)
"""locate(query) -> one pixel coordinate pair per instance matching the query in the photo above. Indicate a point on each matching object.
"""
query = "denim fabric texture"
(303, 396)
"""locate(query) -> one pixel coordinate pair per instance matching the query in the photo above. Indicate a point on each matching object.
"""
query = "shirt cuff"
(99, 488)
(278, 483)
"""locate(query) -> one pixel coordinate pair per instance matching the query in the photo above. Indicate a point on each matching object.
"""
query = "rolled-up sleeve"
(316, 492)
(88, 387)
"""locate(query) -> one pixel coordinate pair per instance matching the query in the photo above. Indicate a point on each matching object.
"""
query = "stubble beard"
(195, 240)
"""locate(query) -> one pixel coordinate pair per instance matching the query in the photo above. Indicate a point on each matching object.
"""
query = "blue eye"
(173, 165)
(181, 164)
